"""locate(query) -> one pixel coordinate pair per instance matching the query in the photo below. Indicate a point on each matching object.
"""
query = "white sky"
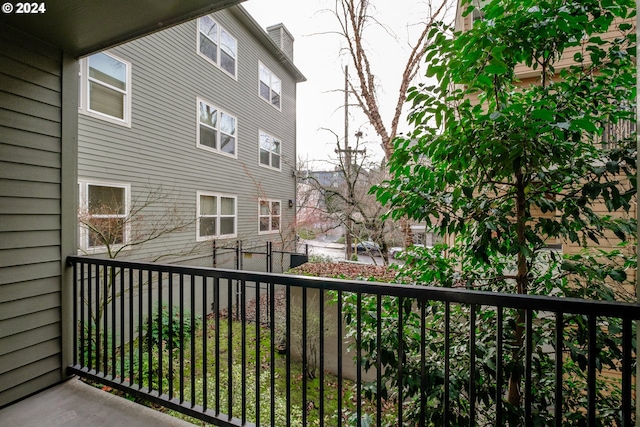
(317, 55)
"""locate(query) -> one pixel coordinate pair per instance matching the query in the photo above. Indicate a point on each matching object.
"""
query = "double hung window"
(269, 215)
(216, 216)
(103, 215)
(216, 129)
(270, 86)
(270, 151)
(105, 88)
(217, 45)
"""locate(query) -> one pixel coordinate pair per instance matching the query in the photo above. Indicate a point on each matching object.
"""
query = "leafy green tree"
(504, 165)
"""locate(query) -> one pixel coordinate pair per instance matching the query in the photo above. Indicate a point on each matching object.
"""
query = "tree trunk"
(514, 396)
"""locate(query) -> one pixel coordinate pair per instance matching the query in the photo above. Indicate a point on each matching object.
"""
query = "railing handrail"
(554, 304)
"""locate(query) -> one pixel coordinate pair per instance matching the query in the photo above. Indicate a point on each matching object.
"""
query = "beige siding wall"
(528, 77)
(30, 215)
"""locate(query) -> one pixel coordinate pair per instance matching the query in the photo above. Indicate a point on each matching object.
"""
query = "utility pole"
(347, 166)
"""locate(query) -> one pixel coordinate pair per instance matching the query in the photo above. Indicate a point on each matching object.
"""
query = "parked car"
(368, 247)
(395, 251)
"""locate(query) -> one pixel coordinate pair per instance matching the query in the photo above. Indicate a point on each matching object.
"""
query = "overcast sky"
(317, 55)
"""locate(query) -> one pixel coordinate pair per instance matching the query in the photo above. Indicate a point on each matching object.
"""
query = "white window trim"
(83, 232)
(206, 147)
(260, 216)
(219, 49)
(83, 105)
(217, 235)
(271, 74)
(279, 169)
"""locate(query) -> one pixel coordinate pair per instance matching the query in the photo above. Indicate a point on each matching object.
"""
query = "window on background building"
(105, 88)
(269, 216)
(103, 213)
(217, 45)
(269, 151)
(216, 129)
(270, 86)
(216, 216)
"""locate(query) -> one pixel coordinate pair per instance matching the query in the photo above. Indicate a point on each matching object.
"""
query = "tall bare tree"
(354, 20)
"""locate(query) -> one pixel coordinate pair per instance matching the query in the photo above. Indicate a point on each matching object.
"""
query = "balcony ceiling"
(81, 27)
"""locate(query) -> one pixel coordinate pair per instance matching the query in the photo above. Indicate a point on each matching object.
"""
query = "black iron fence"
(336, 352)
(263, 257)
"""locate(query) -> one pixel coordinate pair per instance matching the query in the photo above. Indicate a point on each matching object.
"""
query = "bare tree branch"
(353, 19)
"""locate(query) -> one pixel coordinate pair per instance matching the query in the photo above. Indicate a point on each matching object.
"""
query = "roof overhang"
(81, 27)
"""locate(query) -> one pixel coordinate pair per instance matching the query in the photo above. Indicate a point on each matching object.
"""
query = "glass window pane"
(265, 142)
(208, 48)
(275, 161)
(208, 136)
(227, 144)
(275, 208)
(108, 70)
(105, 200)
(264, 91)
(208, 115)
(227, 206)
(227, 44)
(264, 208)
(227, 124)
(275, 99)
(275, 146)
(228, 63)
(275, 223)
(207, 226)
(264, 157)
(265, 75)
(106, 100)
(208, 26)
(275, 85)
(107, 231)
(264, 224)
(208, 205)
(227, 225)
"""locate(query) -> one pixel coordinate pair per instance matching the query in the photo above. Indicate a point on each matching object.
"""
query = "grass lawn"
(203, 389)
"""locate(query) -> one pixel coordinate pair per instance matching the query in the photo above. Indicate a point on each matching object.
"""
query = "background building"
(188, 136)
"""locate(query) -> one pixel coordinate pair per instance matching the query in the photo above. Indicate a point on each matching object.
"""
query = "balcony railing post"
(528, 345)
(559, 349)
(472, 365)
(339, 338)
(400, 359)
(243, 350)
(205, 341)
(321, 367)
(288, 350)
(591, 372)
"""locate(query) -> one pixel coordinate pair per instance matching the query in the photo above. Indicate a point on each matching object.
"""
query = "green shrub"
(160, 327)
(320, 258)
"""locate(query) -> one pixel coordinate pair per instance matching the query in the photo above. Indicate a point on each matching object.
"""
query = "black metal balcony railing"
(163, 334)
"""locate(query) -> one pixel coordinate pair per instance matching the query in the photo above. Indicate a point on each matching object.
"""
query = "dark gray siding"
(30, 215)
(159, 149)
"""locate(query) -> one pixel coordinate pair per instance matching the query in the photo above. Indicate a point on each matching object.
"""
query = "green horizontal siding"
(30, 215)
(159, 150)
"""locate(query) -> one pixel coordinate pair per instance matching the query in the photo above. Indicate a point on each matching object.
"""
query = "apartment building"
(188, 136)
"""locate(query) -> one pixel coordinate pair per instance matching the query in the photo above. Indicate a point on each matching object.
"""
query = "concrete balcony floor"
(76, 404)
